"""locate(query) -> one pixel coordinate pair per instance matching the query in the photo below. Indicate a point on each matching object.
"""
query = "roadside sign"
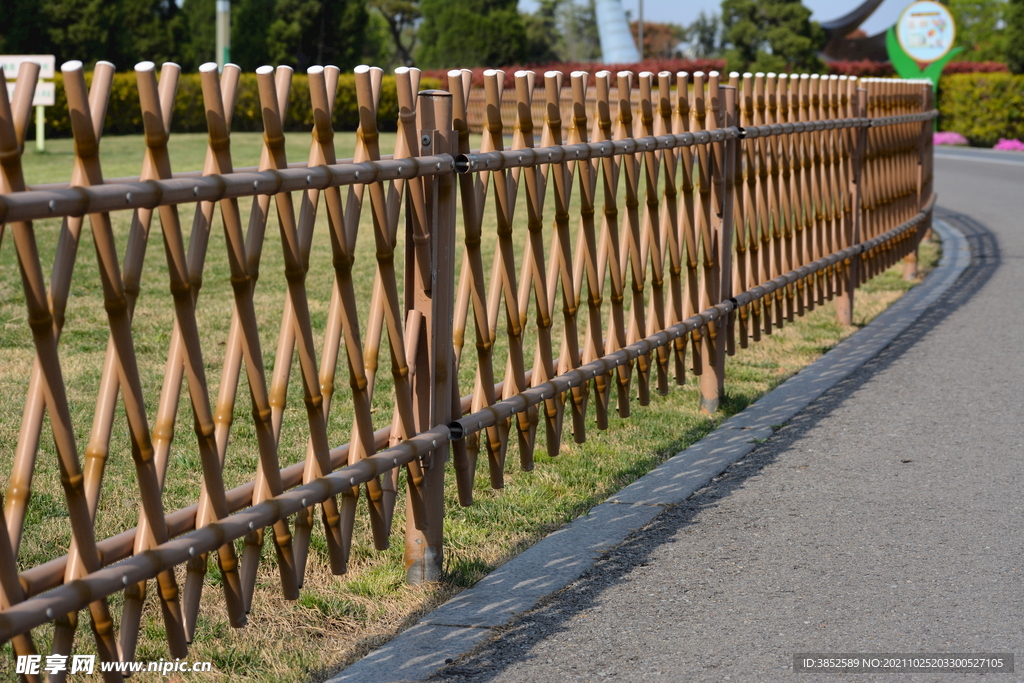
(44, 95)
(47, 64)
(926, 31)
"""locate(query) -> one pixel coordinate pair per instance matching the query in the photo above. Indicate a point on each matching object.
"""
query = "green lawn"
(337, 618)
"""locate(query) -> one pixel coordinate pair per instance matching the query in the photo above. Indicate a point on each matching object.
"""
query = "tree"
(308, 32)
(81, 29)
(544, 42)
(401, 17)
(660, 40)
(471, 33)
(378, 46)
(544, 37)
(770, 35)
(1014, 35)
(250, 24)
(702, 37)
(199, 18)
(23, 30)
(147, 30)
(123, 31)
(579, 26)
(978, 29)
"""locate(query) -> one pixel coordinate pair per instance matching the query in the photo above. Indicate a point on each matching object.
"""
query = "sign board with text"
(926, 31)
(44, 96)
(45, 91)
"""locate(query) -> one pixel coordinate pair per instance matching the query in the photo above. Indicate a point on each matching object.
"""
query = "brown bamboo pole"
(503, 285)
(472, 287)
(683, 123)
(119, 320)
(704, 116)
(669, 220)
(586, 263)
(343, 224)
(484, 393)
(19, 109)
(748, 212)
(424, 554)
(594, 253)
(322, 88)
(154, 165)
(609, 252)
(652, 245)
(844, 306)
(45, 330)
(533, 276)
(20, 483)
(561, 271)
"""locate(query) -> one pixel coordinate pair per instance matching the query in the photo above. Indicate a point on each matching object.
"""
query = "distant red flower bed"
(652, 65)
(867, 68)
(975, 68)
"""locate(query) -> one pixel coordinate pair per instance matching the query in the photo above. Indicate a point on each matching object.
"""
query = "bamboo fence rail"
(664, 227)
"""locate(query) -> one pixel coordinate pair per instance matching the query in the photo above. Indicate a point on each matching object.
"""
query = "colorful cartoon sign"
(921, 42)
(926, 31)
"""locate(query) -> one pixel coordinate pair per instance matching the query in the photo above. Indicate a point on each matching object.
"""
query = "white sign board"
(44, 95)
(926, 31)
(47, 64)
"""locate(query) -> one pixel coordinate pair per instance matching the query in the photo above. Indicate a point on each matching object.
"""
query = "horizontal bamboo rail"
(706, 217)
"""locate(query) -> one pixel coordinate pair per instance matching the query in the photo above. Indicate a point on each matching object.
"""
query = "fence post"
(844, 303)
(910, 260)
(435, 300)
(712, 380)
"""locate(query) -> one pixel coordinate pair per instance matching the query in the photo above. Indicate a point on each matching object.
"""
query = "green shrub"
(982, 107)
(124, 117)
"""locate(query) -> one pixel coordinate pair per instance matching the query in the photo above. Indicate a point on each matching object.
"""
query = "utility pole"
(223, 55)
(640, 30)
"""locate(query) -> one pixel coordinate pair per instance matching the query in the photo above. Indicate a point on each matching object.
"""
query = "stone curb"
(472, 616)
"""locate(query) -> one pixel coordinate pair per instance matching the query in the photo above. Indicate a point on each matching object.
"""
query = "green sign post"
(921, 42)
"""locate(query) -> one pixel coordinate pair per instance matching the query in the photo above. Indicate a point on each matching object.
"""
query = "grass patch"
(337, 619)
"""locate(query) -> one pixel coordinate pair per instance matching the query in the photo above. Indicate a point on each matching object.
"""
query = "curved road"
(887, 517)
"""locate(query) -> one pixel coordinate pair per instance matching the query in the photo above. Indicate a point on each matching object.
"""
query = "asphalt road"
(887, 517)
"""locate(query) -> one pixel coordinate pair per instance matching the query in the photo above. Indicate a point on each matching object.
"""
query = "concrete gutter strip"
(468, 619)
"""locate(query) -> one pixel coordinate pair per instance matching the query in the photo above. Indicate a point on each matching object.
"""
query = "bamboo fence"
(705, 217)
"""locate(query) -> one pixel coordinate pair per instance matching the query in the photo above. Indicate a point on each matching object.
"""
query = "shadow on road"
(515, 642)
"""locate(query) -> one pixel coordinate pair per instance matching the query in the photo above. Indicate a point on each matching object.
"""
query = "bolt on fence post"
(844, 303)
(712, 381)
(435, 300)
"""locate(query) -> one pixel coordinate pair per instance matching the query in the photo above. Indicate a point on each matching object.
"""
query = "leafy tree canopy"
(979, 29)
(770, 35)
(1014, 35)
(402, 17)
(471, 33)
(308, 32)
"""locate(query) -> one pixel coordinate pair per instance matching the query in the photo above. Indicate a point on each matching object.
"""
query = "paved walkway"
(885, 517)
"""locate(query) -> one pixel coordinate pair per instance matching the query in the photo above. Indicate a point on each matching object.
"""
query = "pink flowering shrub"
(949, 138)
(1009, 145)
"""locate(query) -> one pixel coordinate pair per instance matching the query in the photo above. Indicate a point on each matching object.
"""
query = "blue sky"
(685, 11)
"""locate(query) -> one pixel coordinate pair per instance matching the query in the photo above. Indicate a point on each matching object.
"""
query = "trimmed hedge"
(124, 117)
(982, 107)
